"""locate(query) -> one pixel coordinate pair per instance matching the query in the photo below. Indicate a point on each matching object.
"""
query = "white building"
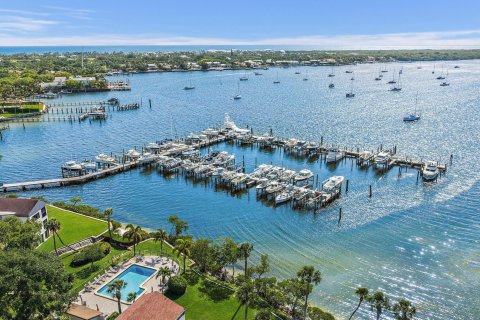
(25, 209)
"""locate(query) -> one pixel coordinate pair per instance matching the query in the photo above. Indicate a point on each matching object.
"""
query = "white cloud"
(23, 25)
(435, 40)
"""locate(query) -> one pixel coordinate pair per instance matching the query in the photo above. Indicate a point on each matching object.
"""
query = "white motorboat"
(262, 184)
(89, 166)
(274, 187)
(430, 170)
(104, 159)
(382, 158)
(210, 132)
(146, 158)
(133, 154)
(303, 176)
(332, 183)
(72, 165)
(287, 175)
(262, 170)
(334, 155)
(152, 147)
(285, 195)
(365, 157)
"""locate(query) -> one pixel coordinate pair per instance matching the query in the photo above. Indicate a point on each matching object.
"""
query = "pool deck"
(107, 305)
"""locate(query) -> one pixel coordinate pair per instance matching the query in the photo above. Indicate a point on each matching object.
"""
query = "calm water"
(411, 240)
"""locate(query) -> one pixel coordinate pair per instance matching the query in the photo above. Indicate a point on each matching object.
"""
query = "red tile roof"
(82, 312)
(152, 306)
(21, 207)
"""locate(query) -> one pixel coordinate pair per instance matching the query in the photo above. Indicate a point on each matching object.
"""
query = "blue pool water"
(134, 276)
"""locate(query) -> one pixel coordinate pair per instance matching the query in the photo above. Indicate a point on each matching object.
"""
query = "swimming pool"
(134, 276)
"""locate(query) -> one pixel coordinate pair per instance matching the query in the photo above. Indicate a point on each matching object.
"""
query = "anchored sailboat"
(190, 86)
(350, 94)
(276, 81)
(413, 116)
(237, 96)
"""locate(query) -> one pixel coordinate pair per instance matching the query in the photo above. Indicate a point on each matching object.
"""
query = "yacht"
(429, 170)
(231, 126)
(334, 155)
(332, 183)
(382, 158)
(303, 176)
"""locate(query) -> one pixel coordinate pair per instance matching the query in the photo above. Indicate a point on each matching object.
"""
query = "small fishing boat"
(332, 183)
(285, 195)
(297, 72)
(348, 71)
(334, 155)
(457, 67)
(411, 118)
(257, 73)
(331, 85)
(429, 171)
(274, 187)
(262, 184)
(244, 78)
(378, 78)
(444, 84)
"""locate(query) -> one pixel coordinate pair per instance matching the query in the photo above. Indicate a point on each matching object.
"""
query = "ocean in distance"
(410, 239)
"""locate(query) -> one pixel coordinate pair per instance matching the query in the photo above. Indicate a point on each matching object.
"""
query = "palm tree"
(132, 296)
(362, 293)
(246, 294)
(404, 310)
(244, 251)
(53, 226)
(75, 200)
(108, 214)
(379, 301)
(163, 272)
(134, 233)
(182, 247)
(162, 236)
(115, 289)
(309, 277)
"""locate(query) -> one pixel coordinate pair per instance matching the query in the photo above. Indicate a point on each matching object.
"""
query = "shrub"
(113, 316)
(177, 285)
(90, 254)
(318, 314)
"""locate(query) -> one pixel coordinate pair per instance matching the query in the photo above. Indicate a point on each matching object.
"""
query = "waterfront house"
(78, 312)
(57, 82)
(26, 209)
(153, 306)
(152, 67)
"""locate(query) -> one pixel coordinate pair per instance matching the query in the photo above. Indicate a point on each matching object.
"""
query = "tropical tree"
(183, 247)
(135, 234)
(160, 236)
(293, 290)
(53, 226)
(18, 234)
(163, 272)
(75, 200)
(178, 225)
(263, 267)
(362, 293)
(244, 251)
(246, 295)
(308, 277)
(132, 296)
(230, 250)
(115, 289)
(108, 215)
(378, 301)
(404, 310)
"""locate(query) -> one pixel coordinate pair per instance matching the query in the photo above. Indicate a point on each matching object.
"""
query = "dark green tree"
(362, 294)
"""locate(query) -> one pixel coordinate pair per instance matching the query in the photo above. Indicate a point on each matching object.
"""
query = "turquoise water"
(410, 239)
(133, 276)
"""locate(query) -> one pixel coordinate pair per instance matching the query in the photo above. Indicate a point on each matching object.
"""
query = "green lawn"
(74, 227)
(205, 300)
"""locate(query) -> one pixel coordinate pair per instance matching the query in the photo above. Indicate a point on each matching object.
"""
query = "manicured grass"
(84, 274)
(74, 227)
(205, 300)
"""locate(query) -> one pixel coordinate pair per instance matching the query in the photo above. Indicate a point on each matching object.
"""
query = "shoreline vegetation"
(206, 286)
(26, 75)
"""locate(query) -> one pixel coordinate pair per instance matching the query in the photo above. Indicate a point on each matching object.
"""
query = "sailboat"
(445, 83)
(190, 86)
(441, 77)
(276, 81)
(433, 71)
(393, 79)
(397, 86)
(306, 76)
(413, 116)
(331, 74)
(237, 96)
(350, 94)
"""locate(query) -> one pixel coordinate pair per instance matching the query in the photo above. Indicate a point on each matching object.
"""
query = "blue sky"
(323, 24)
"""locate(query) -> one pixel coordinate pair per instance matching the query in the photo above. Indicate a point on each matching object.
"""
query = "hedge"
(177, 285)
(91, 254)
